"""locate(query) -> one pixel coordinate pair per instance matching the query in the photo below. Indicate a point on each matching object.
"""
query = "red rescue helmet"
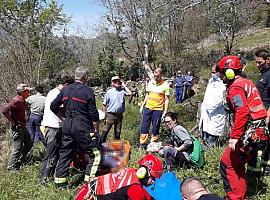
(229, 62)
(153, 164)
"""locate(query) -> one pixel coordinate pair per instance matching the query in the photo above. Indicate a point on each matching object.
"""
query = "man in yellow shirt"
(154, 107)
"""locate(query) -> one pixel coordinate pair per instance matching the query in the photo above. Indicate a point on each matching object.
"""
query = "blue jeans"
(210, 140)
(34, 129)
(179, 93)
(151, 116)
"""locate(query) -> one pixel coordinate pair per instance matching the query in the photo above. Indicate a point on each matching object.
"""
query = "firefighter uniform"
(244, 101)
(78, 130)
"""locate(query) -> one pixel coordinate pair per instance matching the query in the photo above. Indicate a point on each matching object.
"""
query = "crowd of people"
(67, 119)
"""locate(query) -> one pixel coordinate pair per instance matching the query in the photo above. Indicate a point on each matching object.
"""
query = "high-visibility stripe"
(80, 100)
(96, 163)
(60, 180)
(122, 181)
(107, 186)
(74, 99)
(256, 108)
(129, 180)
(64, 98)
(86, 178)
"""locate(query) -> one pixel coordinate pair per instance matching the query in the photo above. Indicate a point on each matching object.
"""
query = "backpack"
(197, 157)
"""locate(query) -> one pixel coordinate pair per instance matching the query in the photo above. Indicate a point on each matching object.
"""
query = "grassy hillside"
(24, 184)
(246, 39)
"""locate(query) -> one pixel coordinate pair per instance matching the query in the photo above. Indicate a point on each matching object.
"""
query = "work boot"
(154, 138)
(143, 139)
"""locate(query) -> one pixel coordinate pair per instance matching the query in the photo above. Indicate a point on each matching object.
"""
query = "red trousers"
(232, 170)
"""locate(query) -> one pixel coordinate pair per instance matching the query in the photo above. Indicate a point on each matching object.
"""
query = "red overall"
(245, 102)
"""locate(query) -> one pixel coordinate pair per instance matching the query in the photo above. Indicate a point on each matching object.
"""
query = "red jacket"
(122, 185)
(245, 102)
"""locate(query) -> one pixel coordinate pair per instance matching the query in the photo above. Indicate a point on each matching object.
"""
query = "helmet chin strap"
(143, 175)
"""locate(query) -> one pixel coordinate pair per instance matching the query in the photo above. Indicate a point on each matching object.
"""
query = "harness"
(251, 135)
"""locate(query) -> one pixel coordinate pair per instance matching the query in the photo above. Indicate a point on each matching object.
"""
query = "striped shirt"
(156, 94)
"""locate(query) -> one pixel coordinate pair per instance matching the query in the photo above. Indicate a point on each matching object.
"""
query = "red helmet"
(153, 164)
(229, 62)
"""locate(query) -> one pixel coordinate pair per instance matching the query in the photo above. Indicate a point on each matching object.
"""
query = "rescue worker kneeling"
(127, 184)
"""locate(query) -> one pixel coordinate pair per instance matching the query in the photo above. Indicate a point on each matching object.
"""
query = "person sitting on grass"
(181, 145)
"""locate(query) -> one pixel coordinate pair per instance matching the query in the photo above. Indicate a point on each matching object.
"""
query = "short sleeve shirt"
(156, 94)
(36, 103)
(114, 100)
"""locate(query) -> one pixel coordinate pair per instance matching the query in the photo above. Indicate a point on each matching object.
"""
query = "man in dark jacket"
(80, 128)
(263, 84)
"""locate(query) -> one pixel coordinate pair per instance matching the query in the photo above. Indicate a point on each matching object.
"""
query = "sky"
(82, 12)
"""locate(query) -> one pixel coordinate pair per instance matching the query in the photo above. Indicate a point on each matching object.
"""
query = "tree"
(227, 18)
(26, 31)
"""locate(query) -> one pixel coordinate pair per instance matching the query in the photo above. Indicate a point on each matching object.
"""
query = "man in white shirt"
(53, 133)
(213, 114)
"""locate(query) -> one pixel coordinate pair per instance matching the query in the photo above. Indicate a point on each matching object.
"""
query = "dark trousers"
(209, 140)
(188, 91)
(266, 159)
(34, 129)
(179, 94)
(77, 134)
(112, 119)
(134, 97)
(53, 139)
(173, 156)
(22, 144)
(149, 116)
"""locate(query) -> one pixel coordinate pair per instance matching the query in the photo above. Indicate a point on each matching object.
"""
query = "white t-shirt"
(49, 118)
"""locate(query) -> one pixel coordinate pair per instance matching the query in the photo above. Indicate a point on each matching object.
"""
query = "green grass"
(260, 36)
(24, 184)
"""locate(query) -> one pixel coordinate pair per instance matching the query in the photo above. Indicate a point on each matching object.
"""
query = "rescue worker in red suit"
(245, 103)
(127, 184)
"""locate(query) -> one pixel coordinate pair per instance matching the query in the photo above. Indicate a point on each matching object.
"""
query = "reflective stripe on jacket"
(245, 101)
(110, 183)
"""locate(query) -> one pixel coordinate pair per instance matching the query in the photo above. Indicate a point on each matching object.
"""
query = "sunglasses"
(168, 121)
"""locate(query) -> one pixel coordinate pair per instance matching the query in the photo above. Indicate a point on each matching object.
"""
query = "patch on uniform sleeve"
(237, 101)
